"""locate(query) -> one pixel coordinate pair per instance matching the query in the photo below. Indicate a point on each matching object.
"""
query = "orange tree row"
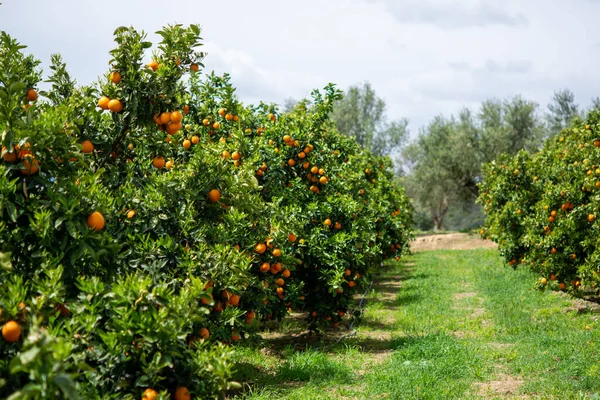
(542, 208)
(148, 222)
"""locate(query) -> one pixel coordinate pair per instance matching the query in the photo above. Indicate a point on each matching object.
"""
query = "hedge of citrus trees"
(542, 209)
(150, 221)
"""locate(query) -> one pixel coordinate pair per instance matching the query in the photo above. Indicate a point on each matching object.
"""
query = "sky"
(423, 57)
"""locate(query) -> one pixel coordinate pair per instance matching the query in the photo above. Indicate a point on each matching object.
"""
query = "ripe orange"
(562, 286)
(260, 248)
(301, 154)
(153, 64)
(235, 336)
(286, 273)
(9, 156)
(173, 128)
(280, 282)
(276, 253)
(165, 117)
(169, 164)
(321, 171)
(176, 117)
(234, 300)
(544, 281)
(31, 95)
(314, 170)
(306, 165)
(265, 267)
(292, 237)
(327, 222)
(87, 147)
(150, 394)
(103, 102)
(314, 189)
(204, 333)
(195, 139)
(30, 165)
(291, 162)
(591, 218)
(348, 272)
(115, 105)
(186, 109)
(272, 117)
(115, 77)
(11, 331)
(235, 156)
(553, 251)
(225, 154)
(187, 144)
(278, 266)
(597, 142)
(323, 180)
(194, 67)
(222, 111)
(228, 117)
(158, 162)
(214, 195)
(351, 284)
(286, 138)
(216, 125)
(279, 291)
(96, 221)
(337, 225)
(182, 393)
(131, 214)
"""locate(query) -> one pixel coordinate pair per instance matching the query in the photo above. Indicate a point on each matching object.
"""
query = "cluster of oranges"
(30, 164)
(171, 122)
(274, 266)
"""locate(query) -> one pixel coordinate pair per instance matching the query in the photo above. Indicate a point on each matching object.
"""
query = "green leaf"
(28, 356)
(67, 385)
(17, 86)
(5, 262)
(12, 211)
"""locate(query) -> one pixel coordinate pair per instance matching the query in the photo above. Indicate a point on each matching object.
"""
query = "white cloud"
(424, 57)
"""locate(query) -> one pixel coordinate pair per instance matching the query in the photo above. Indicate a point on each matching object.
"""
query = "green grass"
(440, 325)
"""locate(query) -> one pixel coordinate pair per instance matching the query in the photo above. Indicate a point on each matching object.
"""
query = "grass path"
(439, 325)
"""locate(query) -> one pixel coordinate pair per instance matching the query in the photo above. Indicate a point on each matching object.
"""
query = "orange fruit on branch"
(214, 195)
(32, 95)
(115, 77)
(96, 221)
(87, 147)
(182, 393)
(103, 102)
(11, 331)
(158, 162)
(115, 105)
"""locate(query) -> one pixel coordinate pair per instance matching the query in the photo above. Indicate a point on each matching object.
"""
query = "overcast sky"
(424, 57)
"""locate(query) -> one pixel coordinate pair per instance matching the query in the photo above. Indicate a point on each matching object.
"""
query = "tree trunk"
(439, 213)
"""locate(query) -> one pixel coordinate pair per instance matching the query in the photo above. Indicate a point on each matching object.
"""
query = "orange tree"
(541, 209)
(150, 219)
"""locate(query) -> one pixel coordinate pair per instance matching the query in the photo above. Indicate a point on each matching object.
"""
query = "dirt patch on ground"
(459, 296)
(450, 241)
(503, 385)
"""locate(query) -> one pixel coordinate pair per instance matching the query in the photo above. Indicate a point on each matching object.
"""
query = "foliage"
(445, 159)
(541, 209)
(152, 220)
(361, 114)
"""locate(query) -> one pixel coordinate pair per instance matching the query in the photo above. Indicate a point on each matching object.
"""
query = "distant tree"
(562, 110)
(595, 103)
(444, 162)
(361, 114)
(288, 104)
